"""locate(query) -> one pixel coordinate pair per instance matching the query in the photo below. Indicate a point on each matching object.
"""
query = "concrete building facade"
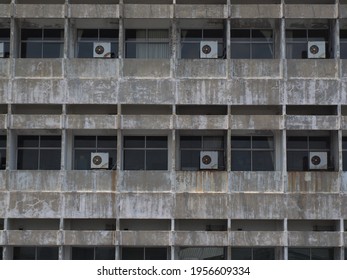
(171, 129)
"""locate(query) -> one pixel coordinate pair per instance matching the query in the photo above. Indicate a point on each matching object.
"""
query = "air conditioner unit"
(102, 49)
(318, 160)
(316, 49)
(208, 160)
(2, 50)
(99, 161)
(208, 49)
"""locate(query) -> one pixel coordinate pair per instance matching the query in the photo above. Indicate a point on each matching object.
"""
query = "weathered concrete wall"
(145, 181)
(148, 11)
(36, 122)
(147, 122)
(93, 11)
(254, 238)
(203, 238)
(78, 237)
(39, 11)
(33, 237)
(84, 68)
(138, 68)
(312, 122)
(256, 68)
(91, 122)
(310, 11)
(202, 122)
(3, 121)
(312, 68)
(256, 11)
(201, 11)
(201, 68)
(144, 238)
(5, 11)
(301, 238)
(256, 122)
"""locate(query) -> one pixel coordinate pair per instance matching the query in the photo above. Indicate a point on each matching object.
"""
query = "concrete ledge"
(33, 237)
(39, 11)
(93, 11)
(38, 68)
(5, 10)
(92, 68)
(36, 122)
(146, 206)
(312, 122)
(314, 182)
(90, 181)
(3, 121)
(91, 122)
(256, 11)
(256, 68)
(202, 181)
(200, 238)
(201, 11)
(342, 11)
(314, 239)
(201, 122)
(310, 11)
(257, 238)
(146, 122)
(35, 180)
(260, 181)
(4, 206)
(91, 91)
(257, 122)
(344, 182)
(88, 238)
(5, 67)
(2, 237)
(148, 11)
(153, 68)
(4, 91)
(3, 180)
(201, 68)
(313, 92)
(313, 68)
(145, 181)
(144, 238)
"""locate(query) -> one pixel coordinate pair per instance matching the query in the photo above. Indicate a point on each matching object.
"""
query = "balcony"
(315, 11)
(314, 239)
(36, 122)
(91, 122)
(145, 181)
(201, 11)
(39, 11)
(312, 122)
(92, 68)
(148, 11)
(201, 238)
(256, 11)
(93, 11)
(144, 238)
(256, 68)
(257, 238)
(88, 238)
(256, 122)
(201, 122)
(33, 237)
(312, 68)
(201, 68)
(154, 68)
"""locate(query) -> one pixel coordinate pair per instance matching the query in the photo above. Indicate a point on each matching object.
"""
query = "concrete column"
(285, 230)
(335, 39)
(282, 41)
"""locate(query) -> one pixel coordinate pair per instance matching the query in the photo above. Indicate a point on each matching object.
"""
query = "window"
(344, 153)
(4, 42)
(252, 43)
(0, 253)
(85, 145)
(35, 253)
(191, 146)
(42, 43)
(297, 40)
(343, 43)
(2, 152)
(145, 153)
(253, 253)
(202, 253)
(147, 43)
(144, 253)
(87, 37)
(252, 153)
(191, 38)
(38, 152)
(93, 253)
(310, 253)
(299, 147)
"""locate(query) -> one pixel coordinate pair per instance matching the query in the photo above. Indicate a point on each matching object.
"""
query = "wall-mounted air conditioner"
(102, 50)
(318, 160)
(2, 50)
(316, 49)
(208, 49)
(208, 160)
(99, 160)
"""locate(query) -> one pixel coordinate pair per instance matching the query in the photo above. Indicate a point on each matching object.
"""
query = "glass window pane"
(213, 34)
(262, 35)
(87, 34)
(221, 162)
(31, 50)
(191, 142)
(296, 50)
(82, 159)
(263, 253)
(158, 34)
(85, 142)
(82, 253)
(213, 142)
(344, 143)
(158, 50)
(53, 34)
(190, 160)
(134, 141)
(298, 254)
(31, 34)
(135, 34)
(155, 254)
(130, 50)
(156, 142)
(191, 34)
(344, 160)
(28, 159)
(50, 159)
(240, 142)
(2, 159)
(190, 50)
(85, 50)
(134, 160)
(28, 141)
(263, 161)
(297, 143)
(240, 50)
(241, 253)
(24, 253)
(50, 141)
(4, 33)
(107, 142)
(322, 254)
(261, 142)
(318, 35)
(319, 143)
(132, 253)
(53, 50)
(296, 35)
(343, 50)
(262, 51)
(108, 34)
(156, 160)
(297, 161)
(240, 35)
(47, 253)
(241, 161)
(3, 141)
(105, 253)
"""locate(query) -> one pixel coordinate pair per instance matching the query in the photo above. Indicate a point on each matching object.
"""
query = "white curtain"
(156, 46)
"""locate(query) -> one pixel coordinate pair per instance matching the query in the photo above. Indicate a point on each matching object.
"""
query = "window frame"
(143, 248)
(3, 149)
(36, 252)
(252, 253)
(94, 248)
(6, 41)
